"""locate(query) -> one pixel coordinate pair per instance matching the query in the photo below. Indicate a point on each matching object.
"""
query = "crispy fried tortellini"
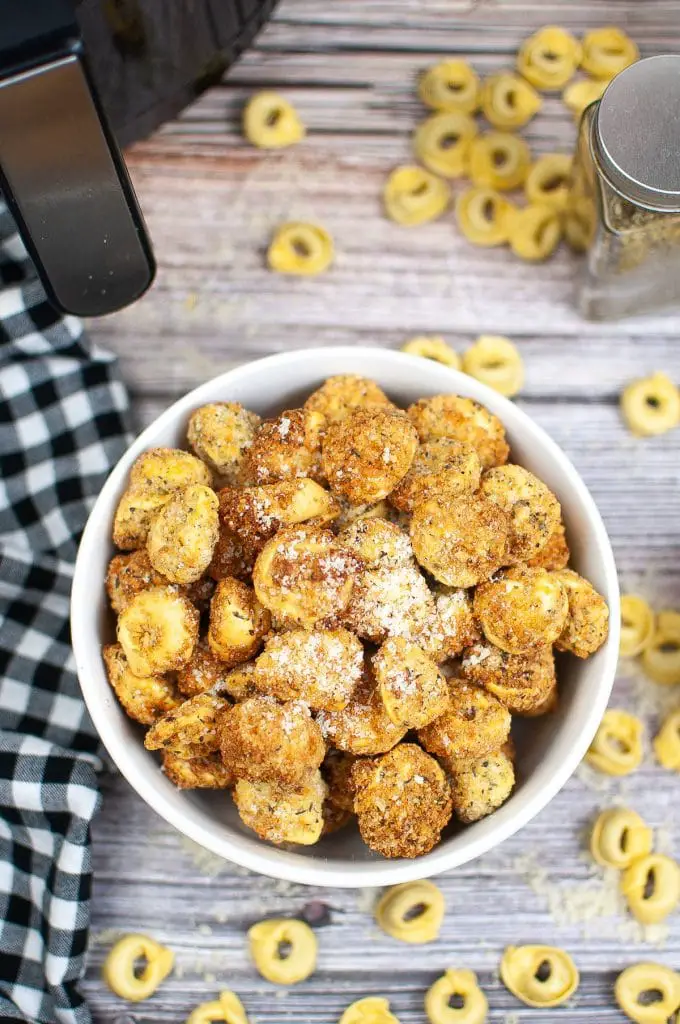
(377, 543)
(443, 468)
(263, 740)
(128, 575)
(192, 729)
(523, 683)
(533, 509)
(480, 786)
(230, 557)
(411, 686)
(340, 396)
(363, 726)
(238, 622)
(474, 724)
(322, 667)
(158, 631)
(183, 535)
(402, 801)
(254, 514)
(587, 623)
(554, 554)
(286, 448)
(366, 455)
(204, 671)
(144, 698)
(463, 419)
(239, 682)
(283, 814)
(221, 434)
(522, 609)
(457, 625)
(196, 772)
(460, 543)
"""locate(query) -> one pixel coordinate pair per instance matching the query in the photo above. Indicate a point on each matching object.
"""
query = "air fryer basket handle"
(64, 178)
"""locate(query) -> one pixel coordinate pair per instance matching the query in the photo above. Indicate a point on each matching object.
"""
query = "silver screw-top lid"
(636, 133)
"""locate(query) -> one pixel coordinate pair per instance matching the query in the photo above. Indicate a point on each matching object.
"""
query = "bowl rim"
(270, 860)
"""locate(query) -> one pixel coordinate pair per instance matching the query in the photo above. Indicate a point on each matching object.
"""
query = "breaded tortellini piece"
(128, 575)
(479, 787)
(322, 667)
(363, 726)
(158, 631)
(474, 724)
(238, 622)
(304, 576)
(144, 698)
(411, 686)
(183, 535)
(239, 682)
(534, 510)
(366, 455)
(353, 513)
(221, 433)
(286, 448)
(341, 395)
(553, 555)
(462, 542)
(192, 729)
(264, 740)
(523, 683)
(377, 543)
(458, 626)
(196, 772)
(283, 814)
(204, 671)
(442, 468)
(402, 801)
(522, 609)
(230, 557)
(255, 514)
(464, 420)
(587, 624)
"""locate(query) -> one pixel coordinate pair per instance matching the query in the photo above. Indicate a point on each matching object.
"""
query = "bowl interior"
(547, 751)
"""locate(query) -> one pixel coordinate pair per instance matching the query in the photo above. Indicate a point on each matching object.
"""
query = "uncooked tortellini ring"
(549, 58)
(302, 249)
(667, 742)
(607, 51)
(651, 406)
(661, 657)
(637, 625)
(484, 216)
(619, 837)
(120, 967)
(539, 976)
(617, 747)
(227, 1009)
(508, 101)
(270, 122)
(412, 912)
(549, 180)
(442, 143)
(535, 232)
(451, 85)
(373, 1010)
(651, 886)
(638, 983)
(415, 196)
(456, 998)
(283, 951)
(432, 347)
(499, 160)
(579, 95)
(495, 361)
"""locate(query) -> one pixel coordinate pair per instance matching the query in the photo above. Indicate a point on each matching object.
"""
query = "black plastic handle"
(61, 170)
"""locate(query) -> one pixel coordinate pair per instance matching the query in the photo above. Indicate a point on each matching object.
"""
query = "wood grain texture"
(212, 202)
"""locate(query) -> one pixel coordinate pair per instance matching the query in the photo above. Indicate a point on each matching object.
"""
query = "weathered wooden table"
(211, 202)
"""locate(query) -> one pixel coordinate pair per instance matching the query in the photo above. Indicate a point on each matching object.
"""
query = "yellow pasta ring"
(484, 216)
(461, 986)
(450, 85)
(539, 976)
(661, 656)
(495, 361)
(412, 912)
(267, 940)
(119, 969)
(651, 406)
(442, 142)
(372, 1010)
(607, 51)
(509, 101)
(619, 837)
(535, 233)
(415, 196)
(667, 742)
(432, 347)
(499, 160)
(579, 95)
(638, 980)
(637, 625)
(301, 249)
(651, 886)
(227, 1009)
(270, 122)
(549, 58)
(617, 747)
(549, 181)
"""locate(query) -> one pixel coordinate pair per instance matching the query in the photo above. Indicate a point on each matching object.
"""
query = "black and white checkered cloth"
(63, 423)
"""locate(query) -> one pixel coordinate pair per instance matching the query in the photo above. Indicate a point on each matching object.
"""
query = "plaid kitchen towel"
(63, 423)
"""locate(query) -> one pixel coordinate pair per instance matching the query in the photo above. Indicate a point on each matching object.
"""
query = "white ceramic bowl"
(544, 762)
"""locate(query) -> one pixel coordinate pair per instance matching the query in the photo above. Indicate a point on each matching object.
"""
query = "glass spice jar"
(624, 205)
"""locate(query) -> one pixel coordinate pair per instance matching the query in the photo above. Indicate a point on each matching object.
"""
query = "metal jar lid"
(636, 133)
